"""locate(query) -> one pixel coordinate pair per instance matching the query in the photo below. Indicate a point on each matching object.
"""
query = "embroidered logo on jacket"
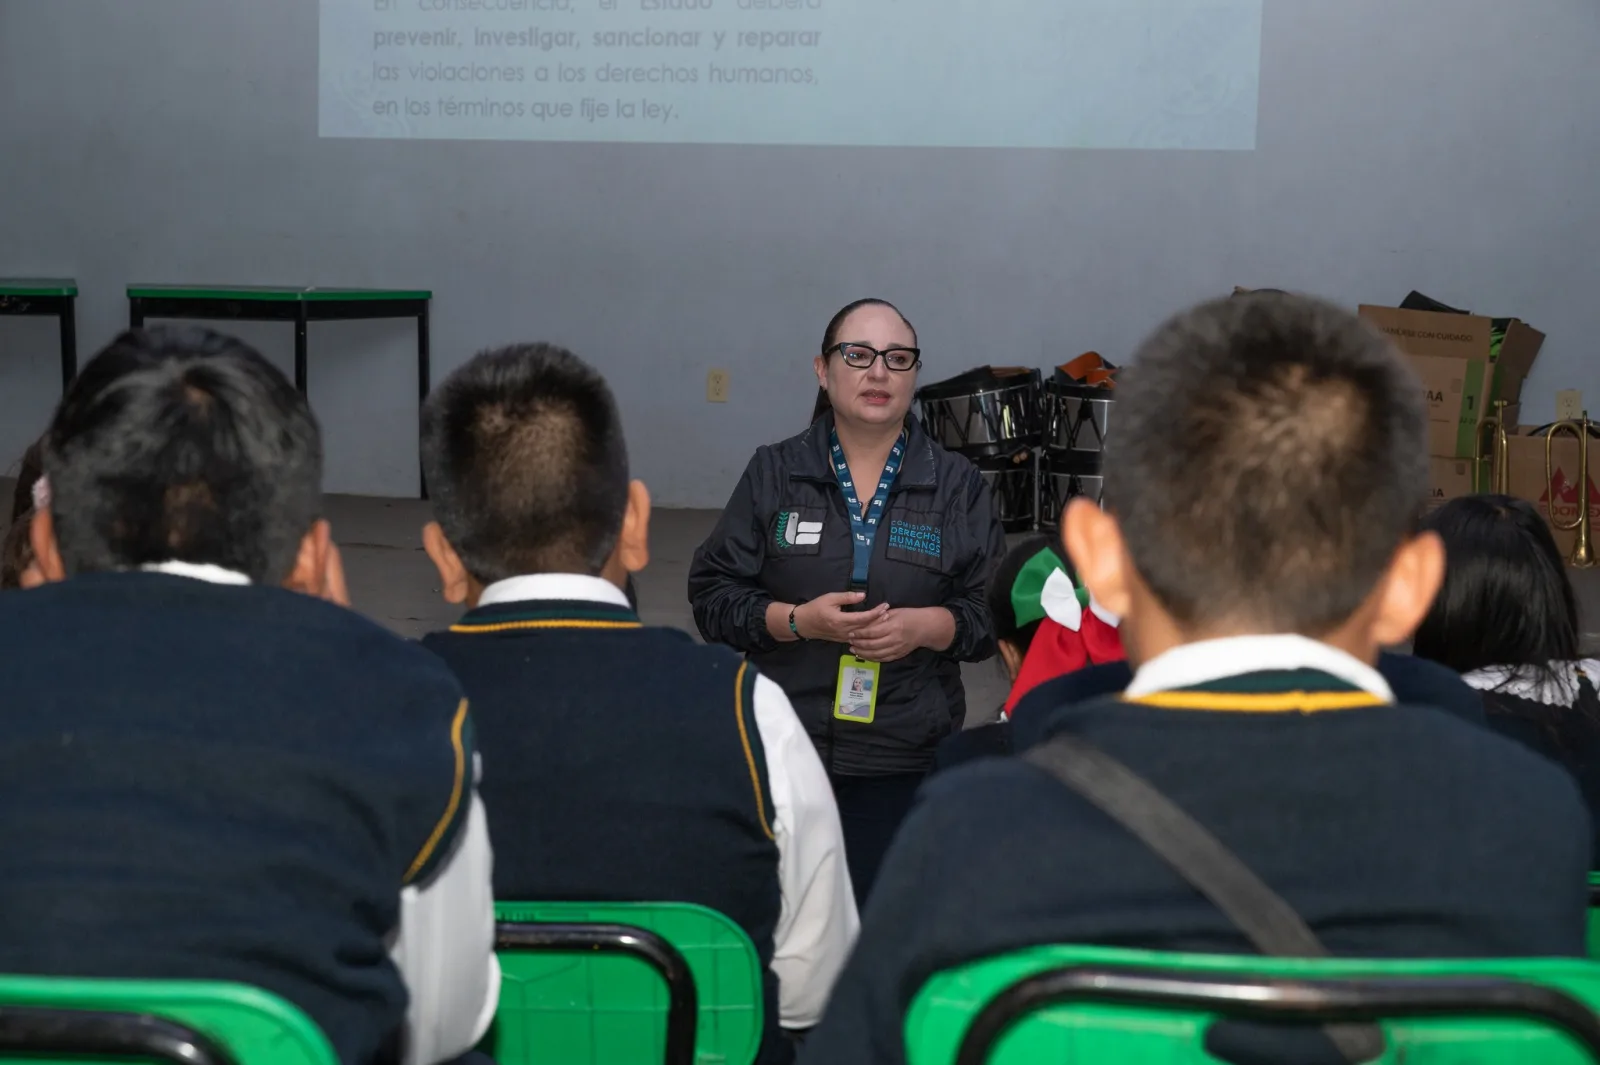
(792, 532)
(922, 539)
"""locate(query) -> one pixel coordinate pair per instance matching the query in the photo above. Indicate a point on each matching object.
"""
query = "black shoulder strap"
(1270, 924)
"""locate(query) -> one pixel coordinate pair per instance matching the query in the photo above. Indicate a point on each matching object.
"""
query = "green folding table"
(302, 306)
(47, 297)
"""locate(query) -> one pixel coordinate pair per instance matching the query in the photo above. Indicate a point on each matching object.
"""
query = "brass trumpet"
(1497, 454)
(1583, 547)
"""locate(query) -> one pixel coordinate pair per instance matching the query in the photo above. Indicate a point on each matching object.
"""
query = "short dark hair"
(526, 463)
(183, 445)
(1269, 459)
(1506, 600)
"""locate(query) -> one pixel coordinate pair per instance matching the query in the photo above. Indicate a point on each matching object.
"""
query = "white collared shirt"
(1210, 660)
(444, 945)
(1555, 685)
(817, 924)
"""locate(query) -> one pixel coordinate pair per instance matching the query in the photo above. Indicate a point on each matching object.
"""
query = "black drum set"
(1037, 441)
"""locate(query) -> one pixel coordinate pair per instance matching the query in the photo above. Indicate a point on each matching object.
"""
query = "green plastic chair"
(1070, 1005)
(187, 1022)
(624, 984)
(1594, 915)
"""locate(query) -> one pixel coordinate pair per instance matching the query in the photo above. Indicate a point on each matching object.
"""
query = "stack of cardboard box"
(1466, 363)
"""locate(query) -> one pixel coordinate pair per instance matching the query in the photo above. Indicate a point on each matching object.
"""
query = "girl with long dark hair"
(1506, 619)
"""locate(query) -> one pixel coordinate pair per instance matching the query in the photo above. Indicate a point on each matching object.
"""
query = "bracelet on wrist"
(792, 626)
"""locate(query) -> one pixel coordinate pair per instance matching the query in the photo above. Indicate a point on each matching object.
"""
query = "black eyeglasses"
(861, 357)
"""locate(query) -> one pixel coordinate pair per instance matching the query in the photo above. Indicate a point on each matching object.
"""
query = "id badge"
(856, 698)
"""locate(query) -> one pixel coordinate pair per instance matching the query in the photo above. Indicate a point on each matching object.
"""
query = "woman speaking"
(850, 565)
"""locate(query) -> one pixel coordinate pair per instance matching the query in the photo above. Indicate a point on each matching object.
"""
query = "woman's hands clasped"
(882, 634)
(825, 617)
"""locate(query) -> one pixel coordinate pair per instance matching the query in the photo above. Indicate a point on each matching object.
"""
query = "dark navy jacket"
(224, 783)
(1413, 680)
(1567, 733)
(623, 763)
(938, 542)
(1395, 831)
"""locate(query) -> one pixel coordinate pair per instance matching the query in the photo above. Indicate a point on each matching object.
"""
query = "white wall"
(1445, 145)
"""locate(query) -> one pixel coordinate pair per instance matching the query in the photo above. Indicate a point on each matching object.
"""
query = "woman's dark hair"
(830, 337)
(1506, 600)
(822, 406)
(998, 593)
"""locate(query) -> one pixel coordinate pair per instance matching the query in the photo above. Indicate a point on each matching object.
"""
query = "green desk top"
(271, 293)
(38, 286)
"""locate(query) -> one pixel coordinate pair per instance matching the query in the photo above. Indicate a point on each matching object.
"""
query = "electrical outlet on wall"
(1569, 405)
(717, 386)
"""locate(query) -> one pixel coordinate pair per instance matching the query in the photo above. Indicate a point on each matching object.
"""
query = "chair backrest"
(1068, 1004)
(620, 983)
(196, 1022)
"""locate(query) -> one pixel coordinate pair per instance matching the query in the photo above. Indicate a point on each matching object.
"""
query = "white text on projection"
(934, 73)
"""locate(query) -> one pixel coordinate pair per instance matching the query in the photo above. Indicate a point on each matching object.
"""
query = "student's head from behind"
(1046, 625)
(1266, 475)
(528, 472)
(184, 445)
(1506, 600)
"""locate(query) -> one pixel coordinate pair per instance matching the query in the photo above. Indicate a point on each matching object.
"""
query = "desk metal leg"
(300, 347)
(423, 377)
(69, 342)
(135, 313)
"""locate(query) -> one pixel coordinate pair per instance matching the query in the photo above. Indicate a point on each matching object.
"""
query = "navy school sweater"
(623, 763)
(1413, 680)
(225, 783)
(1395, 831)
(1565, 730)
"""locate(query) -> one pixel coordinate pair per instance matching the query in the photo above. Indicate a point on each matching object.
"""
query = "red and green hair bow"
(1074, 630)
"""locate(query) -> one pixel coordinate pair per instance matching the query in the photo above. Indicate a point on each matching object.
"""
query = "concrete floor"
(392, 581)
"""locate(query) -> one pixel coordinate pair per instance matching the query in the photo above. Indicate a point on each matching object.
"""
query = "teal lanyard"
(864, 530)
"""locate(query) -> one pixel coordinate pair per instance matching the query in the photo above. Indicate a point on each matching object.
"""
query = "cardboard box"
(1528, 481)
(1462, 369)
(1457, 440)
(1449, 479)
(1467, 337)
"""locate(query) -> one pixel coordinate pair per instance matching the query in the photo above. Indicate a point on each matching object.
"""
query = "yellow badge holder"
(856, 697)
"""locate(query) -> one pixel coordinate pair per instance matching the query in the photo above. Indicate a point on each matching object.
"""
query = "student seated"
(626, 762)
(1083, 663)
(1507, 620)
(213, 770)
(1259, 545)
(1046, 630)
